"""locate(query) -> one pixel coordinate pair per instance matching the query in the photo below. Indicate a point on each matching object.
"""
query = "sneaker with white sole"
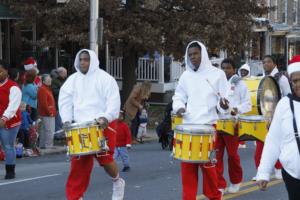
(278, 174)
(234, 188)
(222, 191)
(118, 189)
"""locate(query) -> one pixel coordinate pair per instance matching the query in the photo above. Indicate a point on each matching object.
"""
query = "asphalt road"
(153, 177)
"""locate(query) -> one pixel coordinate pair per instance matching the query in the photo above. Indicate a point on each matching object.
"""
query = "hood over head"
(94, 61)
(205, 62)
(246, 67)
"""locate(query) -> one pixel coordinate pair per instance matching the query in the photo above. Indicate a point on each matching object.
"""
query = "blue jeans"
(123, 153)
(8, 138)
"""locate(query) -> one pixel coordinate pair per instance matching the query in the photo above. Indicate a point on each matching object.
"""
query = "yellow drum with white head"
(194, 143)
(253, 128)
(85, 139)
(226, 125)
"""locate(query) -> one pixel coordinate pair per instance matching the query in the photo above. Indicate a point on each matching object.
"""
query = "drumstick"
(218, 94)
(213, 88)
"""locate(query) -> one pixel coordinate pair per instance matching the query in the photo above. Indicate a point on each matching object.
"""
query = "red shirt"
(46, 102)
(123, 135)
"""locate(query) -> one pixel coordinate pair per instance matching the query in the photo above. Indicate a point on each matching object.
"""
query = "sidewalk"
(57, 149)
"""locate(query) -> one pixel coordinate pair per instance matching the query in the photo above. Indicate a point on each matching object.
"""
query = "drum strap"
(294, 123)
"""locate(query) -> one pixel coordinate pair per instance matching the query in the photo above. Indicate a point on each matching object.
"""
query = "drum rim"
(198, 131)
(259, 90)
(192, 161)
(81, 125)
(247, 118)
(228, 118)
(86, 153)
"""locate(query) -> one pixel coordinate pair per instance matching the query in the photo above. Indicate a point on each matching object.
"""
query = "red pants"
(234, 165)
(258, 153)
(189, 173)
(81, 169)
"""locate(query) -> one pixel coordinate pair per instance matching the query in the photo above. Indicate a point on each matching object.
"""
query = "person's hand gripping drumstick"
(224, 103)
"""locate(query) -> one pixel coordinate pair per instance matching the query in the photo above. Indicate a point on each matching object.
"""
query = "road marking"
(245, 191)
(250, 189)
(29, 179)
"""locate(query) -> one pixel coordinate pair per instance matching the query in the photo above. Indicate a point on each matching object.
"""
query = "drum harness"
(294, 122)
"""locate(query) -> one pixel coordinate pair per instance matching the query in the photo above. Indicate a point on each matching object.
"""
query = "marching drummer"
(271, 69)
(198, 95)
(90, 94)
(283, 141)
(240, 103)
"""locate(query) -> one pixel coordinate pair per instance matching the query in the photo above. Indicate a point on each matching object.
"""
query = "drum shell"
(252, 129)
(226, 126)
(176, 120)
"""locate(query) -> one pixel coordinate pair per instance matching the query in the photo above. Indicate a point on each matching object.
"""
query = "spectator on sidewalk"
(30, 66)
(135, 103)
(10, 118)
(143, 120)
(23, 133)
(123, 140)
(29, 94)
(57, 82)
(47, 112)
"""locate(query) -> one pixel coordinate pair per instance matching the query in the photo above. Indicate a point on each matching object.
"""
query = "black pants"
(292, 185)
(23, 136)
(135, 125)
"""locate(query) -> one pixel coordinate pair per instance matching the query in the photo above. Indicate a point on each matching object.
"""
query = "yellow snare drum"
(265, 94)
(194, 143)
(176, 120)
(253, 128)
(84, 139)
(226, 125)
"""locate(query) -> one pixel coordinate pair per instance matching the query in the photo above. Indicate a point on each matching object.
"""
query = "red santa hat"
(30, 63)
(294, 65)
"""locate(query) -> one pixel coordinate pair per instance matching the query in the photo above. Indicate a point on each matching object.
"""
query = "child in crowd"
(143, 119)
(123, 140)
(23, 134)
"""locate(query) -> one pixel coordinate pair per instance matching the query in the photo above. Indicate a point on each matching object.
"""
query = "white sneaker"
(234, 188)
(118, 189)
(222, 191)
(278, 174)
(254, 178)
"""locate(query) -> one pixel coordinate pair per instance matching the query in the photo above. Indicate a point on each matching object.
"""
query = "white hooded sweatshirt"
(85, 97)
(246, 67)
(197, 90)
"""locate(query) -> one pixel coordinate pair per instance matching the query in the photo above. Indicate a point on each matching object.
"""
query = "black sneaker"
(126, 169)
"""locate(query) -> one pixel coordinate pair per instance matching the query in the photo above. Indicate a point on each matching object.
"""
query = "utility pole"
(94, 14)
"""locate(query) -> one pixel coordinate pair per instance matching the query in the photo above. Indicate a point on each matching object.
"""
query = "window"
(295, 11)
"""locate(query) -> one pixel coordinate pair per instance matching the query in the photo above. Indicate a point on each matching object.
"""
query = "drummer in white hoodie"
(240, 102)
(197, 95)
(244, 71)
(90, 94)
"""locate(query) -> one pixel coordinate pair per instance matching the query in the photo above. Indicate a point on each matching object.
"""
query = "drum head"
(252, 118)
(268, 96)
(81, 125)
(195, 128)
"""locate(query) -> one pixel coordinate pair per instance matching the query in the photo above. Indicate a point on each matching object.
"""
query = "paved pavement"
(153, 177)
